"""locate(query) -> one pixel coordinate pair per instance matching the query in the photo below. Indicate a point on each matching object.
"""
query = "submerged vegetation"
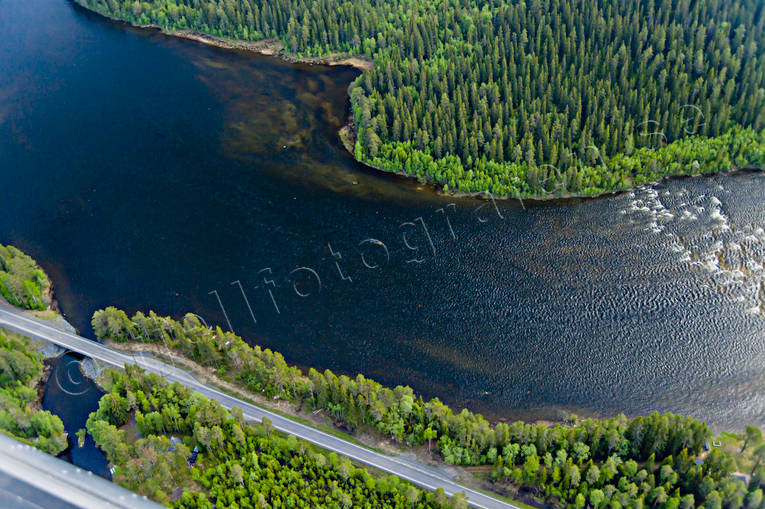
(625, 462)
(22, 282)
(21, 371)
(194, 454)
(523, 98)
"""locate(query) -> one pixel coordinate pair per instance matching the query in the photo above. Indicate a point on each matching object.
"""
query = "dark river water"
(146, 172)
(72, 396)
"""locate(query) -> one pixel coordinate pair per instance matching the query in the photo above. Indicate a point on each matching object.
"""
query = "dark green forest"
(21, 371)
(22, 282)
(618, 462)
(547, 97)
(238, 465)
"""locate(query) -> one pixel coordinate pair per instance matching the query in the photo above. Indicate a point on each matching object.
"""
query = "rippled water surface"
(147, 172)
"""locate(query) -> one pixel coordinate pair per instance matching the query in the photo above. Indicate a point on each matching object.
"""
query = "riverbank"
(567, 197)
(465, 439)
(347, 134)
(23, 381)
(347, 137)
(407, 469)
(285, 383)
(270, 47)
(54, 319)
(48, 351)
(478, 477)
(211, 376)
(89, 368)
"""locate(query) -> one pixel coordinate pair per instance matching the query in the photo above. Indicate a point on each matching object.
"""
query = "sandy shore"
(270, 47)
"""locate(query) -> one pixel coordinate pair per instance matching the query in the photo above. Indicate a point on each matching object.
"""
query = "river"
(150, 172)
(72, 396)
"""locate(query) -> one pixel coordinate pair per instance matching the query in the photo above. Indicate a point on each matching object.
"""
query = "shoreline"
(268, 47)
(474, 476)
(539, 199)
(348, 140)
(275, 48)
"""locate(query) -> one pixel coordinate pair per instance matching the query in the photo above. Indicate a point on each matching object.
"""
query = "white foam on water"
(732, 256)
(717, 215)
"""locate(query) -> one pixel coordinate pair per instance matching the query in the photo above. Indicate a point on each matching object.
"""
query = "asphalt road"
(422, 475)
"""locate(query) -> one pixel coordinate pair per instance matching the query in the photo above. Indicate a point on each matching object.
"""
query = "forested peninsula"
(22, 282)
(539, 98)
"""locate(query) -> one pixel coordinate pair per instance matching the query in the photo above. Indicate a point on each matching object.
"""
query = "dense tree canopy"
(523, 98)
(239, 464)
(558, 463)
(22, 282)
(21, 370)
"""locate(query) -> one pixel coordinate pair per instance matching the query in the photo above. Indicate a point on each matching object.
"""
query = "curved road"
(413, 471)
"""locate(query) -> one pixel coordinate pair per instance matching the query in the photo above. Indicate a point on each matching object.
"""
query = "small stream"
(72, 396)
